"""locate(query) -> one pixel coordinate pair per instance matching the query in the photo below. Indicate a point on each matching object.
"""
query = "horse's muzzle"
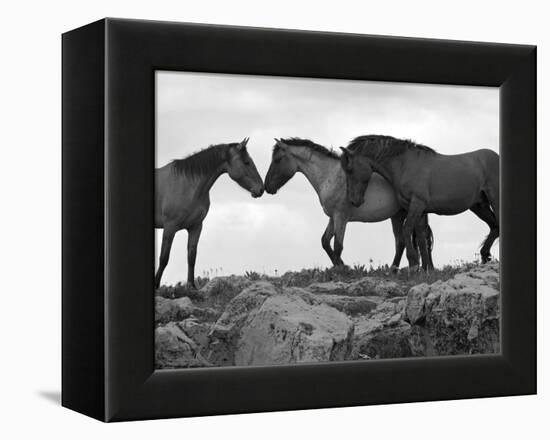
(257, 193)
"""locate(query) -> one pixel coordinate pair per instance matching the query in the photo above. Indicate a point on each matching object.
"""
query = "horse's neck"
(387, 167)
(317, 168)
(198, 186)
(206, 182)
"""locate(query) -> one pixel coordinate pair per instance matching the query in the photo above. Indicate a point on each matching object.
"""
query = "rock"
(328, 288)
(367, 286)
(226, 331)
(371, 286)
(235, 321)
(174, 349)
(286, 329)
(167, 310)
(415, 303)
(374, 339)
(197, 331)
(220, 290)
(350, 305)
(458, 316)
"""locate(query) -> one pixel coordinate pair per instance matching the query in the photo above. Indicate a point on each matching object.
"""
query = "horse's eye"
(247, 162)
(277, 160)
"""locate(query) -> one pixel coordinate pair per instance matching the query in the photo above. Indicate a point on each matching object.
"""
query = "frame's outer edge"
(108, 310)
(518, 133)
(83, 102)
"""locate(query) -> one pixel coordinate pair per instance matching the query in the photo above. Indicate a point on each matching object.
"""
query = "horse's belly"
(454, 201)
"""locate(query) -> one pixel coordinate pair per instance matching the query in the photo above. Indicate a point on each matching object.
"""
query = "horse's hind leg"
(167, 239)
(325, 240)
(484, 212)
(423, 234)
(397, 227)
(192, 243)
(416, 210)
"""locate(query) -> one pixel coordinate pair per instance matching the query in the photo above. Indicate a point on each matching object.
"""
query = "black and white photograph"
(303, 220)
(275, 220)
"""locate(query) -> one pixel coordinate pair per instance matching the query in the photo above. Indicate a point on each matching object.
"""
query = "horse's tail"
(415, 243)
(429, 238)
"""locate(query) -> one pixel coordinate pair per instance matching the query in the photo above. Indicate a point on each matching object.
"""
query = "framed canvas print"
(265, 219)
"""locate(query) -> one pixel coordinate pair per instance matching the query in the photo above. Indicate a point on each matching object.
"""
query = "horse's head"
(241, 169)
(283, 167)
(358, 171)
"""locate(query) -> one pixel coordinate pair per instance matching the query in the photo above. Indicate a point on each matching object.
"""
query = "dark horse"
(426, 182)
(182, 195)
(321, 167)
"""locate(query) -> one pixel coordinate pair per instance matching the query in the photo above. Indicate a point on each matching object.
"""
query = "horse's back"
(454, 182)
(490, 161)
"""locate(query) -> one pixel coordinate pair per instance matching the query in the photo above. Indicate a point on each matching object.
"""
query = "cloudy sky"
(283, 232)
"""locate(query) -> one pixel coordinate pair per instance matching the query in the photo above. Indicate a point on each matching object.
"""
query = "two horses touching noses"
(375, 178)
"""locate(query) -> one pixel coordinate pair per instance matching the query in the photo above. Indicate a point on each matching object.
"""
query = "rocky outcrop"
(287, 329)
(168, 310)
(367, 286)
(174, 349)
(458, 316)
(234, 321)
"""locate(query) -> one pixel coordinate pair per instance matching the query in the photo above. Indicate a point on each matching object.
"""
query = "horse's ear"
(243, 143)
(280, 144)
(344, 159)
(346, 151)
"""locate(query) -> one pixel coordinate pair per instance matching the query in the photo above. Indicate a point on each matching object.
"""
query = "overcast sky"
(283, 232)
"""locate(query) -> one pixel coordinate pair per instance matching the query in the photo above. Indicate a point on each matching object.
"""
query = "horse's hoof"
(394, 269)
(414, 269)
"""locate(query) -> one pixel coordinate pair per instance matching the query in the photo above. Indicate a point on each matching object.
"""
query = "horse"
(182, 195)
(322, 169)
(426, 182)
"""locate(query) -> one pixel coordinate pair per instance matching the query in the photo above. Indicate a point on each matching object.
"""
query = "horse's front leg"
(167, 239)
(416, 209)
(339, 232)
(326, 238)
(192, 243)
(397, 227)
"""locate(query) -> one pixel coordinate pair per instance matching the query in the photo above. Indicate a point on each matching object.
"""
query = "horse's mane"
(379, 146)
(299, 142)
(203, 162)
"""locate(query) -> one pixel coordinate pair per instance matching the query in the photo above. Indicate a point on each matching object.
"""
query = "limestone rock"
(458, 316)
(226, 331)
(221, 290)
(167, 310)
(286, 329)
(371, 286)
(174, 349)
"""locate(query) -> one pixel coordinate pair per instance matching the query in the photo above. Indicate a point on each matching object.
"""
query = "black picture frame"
(108, 241)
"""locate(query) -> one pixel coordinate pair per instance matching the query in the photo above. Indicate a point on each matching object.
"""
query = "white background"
(31, 253)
